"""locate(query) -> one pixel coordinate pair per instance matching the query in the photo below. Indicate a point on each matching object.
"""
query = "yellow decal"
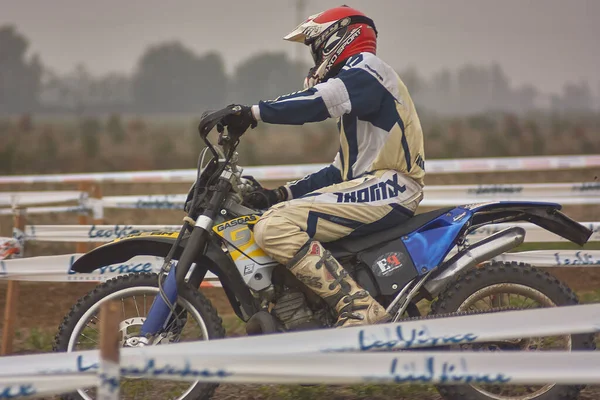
(171, 234)
(240, 240)
(238, 235)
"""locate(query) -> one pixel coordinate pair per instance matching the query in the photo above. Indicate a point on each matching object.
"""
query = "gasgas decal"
(164, 234)
(234, 222)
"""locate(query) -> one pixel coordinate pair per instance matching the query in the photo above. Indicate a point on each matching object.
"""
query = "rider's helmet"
(333, 36)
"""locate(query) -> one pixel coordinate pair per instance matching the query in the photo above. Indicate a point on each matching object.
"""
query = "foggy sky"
(543, 42)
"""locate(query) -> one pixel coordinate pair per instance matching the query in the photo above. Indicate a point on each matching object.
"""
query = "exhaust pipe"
(490, 247)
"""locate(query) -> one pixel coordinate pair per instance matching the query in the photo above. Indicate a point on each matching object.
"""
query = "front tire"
(501, 280)
(192, 305)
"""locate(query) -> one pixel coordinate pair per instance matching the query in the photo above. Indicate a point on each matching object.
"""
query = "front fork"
(160, 313)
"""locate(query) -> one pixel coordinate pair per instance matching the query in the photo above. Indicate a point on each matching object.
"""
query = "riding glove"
(263, 198)
(239, 122)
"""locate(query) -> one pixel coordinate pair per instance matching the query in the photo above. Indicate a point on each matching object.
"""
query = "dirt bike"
(427, 258)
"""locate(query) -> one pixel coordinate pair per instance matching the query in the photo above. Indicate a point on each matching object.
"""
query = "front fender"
(120, 250)
(158, 244)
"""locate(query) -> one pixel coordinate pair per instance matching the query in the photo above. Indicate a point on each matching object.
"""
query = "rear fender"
(158, 244)
(545, 215)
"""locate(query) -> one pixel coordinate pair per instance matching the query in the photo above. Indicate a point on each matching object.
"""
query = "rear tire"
(122, 284)
(521, 275)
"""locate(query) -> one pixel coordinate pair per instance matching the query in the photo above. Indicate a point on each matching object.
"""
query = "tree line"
(170, 77)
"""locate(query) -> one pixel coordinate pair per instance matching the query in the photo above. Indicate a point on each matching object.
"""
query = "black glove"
(239, 122)
(264, 198)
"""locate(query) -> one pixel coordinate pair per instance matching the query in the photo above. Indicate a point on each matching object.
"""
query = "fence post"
(12, 295)
(83, 220)
(109, 370)
(97, 207)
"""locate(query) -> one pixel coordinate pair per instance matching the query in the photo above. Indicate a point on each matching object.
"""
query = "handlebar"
(210, 119)
(228, 136)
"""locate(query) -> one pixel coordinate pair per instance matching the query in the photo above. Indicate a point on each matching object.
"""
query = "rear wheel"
(136, 292)
(516, 286)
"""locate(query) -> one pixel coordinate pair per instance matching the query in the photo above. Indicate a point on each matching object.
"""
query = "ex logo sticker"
(387, 263)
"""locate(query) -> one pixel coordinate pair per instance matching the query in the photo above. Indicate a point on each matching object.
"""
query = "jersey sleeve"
(357, 89)
(325, 100)
(327, 176)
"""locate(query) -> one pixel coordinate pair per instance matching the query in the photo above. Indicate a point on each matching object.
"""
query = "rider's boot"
(316, 268)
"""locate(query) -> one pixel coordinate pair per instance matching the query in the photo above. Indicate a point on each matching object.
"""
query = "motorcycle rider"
(376, 179)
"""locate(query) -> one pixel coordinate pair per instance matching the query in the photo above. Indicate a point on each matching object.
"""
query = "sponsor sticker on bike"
(387, 263)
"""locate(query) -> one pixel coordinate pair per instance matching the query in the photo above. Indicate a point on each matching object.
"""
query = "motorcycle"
(426, 259)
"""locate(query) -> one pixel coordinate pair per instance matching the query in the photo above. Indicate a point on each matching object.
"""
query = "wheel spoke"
(136, 307)
(89, 338)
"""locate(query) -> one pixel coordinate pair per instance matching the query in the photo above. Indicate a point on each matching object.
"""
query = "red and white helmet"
(333, 36)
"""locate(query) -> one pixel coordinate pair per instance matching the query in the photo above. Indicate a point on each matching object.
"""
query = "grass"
(589, 296)
(354, 392)
(233, 325)
(33, 340)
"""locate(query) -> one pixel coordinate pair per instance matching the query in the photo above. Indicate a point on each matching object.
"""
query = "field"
(42, 306)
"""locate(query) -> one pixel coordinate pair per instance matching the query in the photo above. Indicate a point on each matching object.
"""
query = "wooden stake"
(12, 297)
(10, 316)
(109, 371)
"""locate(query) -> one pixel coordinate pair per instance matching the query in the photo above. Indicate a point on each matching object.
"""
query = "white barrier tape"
(97, 208)
(448, 368)
(564, 193)
(108, 380)
(87, 233)
(450, 202)
(26, 387)
(554, 258)
(288, 172)
(48, 210)
(58, 269)
(159, 201)
(519, 191)
(162, 204)
(106, 233)
(412, 334)
(30, 198)
(545, 322)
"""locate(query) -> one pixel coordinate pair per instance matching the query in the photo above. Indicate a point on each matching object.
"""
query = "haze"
(543, 42)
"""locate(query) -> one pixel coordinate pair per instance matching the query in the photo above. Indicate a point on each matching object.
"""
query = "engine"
(292, 310)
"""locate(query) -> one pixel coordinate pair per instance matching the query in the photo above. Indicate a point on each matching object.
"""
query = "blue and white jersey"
(379, 126)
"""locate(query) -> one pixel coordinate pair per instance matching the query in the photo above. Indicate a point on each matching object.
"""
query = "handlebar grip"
(210, 119)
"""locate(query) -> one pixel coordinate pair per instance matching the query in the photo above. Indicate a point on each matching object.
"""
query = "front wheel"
(197, 320)
(511, 285)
